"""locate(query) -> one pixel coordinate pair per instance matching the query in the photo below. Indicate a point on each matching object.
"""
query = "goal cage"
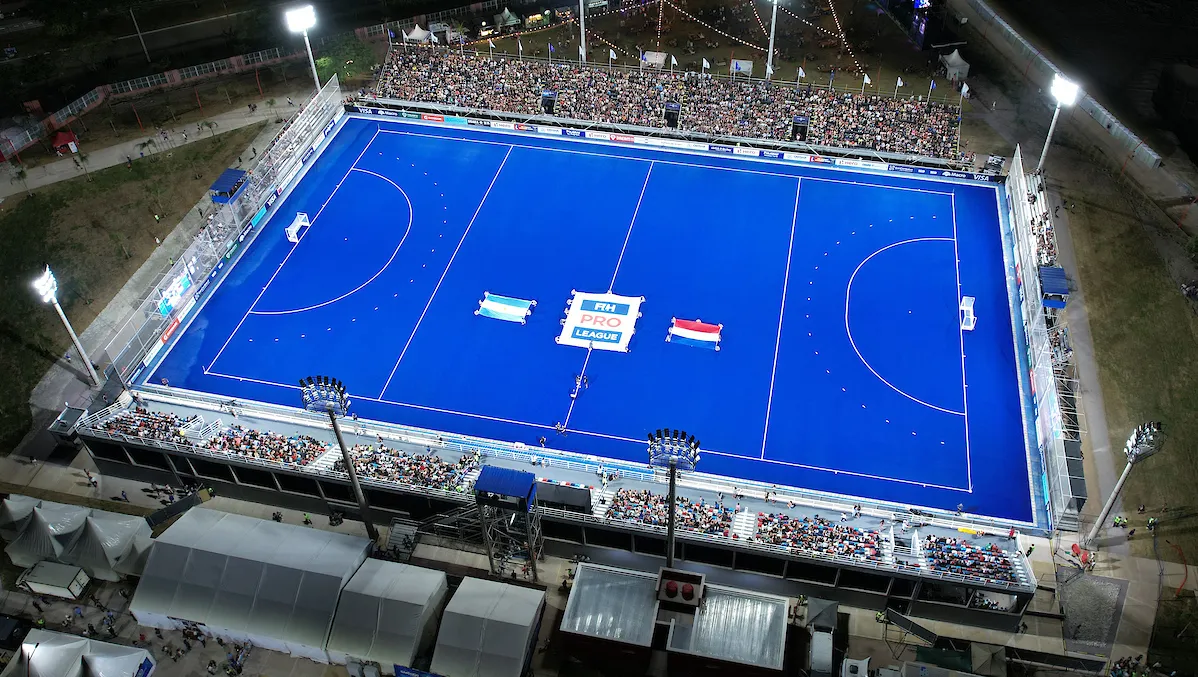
(298, 224)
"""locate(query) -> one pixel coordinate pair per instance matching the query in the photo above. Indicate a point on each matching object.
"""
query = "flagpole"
(896, 86)
(490, 49)
(582, 29)
(930, 87)
(551, 54)
(769, 58)
(863, 85)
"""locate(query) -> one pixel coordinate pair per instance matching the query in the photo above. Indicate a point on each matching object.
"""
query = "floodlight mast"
(47, 288)
(1146, 440)
(1065, 92)
(328, 396)
(299, 20)
(672, 451)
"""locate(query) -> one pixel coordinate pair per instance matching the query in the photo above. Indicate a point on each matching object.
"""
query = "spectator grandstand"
(267, 446)
(154, 425)
(424, 470)
(818, 535)
(646, 507)
(957, 556)
(711, 105)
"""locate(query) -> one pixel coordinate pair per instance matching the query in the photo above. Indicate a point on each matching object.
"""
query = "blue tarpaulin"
(505, 481)
(1052, 281)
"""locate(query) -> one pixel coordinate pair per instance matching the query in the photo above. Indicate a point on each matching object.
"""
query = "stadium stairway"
(471, 477)
(601, 501)
(744, 524)
(325, 461)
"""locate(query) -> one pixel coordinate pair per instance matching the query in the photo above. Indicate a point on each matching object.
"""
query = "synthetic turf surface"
(842, 366)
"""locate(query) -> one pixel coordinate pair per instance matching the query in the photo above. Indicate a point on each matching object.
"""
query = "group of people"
(424, 470)
(646, 507)
(267, 445)
(153, 425)
(711, 105)
(958, 556)
(818, 535)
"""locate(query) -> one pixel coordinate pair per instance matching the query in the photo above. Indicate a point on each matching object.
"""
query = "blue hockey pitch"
(842, 365)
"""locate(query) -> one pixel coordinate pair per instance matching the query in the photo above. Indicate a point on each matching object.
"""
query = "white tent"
(54, 654)
(50, 530)
(387, 614)
(134, 562)
(488, 630)
(14, 514)
(957, 67)
(507, 18)
(656, 59)
(417, 34)
(105, 540)
(246, 579)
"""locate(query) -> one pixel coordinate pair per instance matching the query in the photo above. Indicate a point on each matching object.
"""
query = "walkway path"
(102, 158)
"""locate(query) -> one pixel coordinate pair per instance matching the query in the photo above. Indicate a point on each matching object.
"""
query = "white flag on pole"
(673, 61)
(964, 89)
(581, 51)
(867, 80)
(769, 70)
(611, 54)
(491, 43)
(900, 83)
(802, 73)
(705, 64)
(519, 45)
(435, 40)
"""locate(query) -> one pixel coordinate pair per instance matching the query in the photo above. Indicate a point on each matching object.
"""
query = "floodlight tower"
(1145, 440)
(1065, 91)
(769, 57)
(673, 451)
(47, 288)
(327, 396)
(299, 20)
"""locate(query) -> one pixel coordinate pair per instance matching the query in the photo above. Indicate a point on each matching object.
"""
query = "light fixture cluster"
(321, 393)
(1144, 441)
(666, 444)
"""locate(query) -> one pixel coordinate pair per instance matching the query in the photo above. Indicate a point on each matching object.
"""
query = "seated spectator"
(153, 425)
(267, 446)
(642, 505)
(958, 556)
(711, 105)
(818, 536)
(422, 470)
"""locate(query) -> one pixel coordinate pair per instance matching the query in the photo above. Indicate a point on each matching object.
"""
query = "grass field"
(95, 235)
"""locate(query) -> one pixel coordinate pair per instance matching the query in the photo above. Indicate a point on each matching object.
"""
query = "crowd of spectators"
(818, 535)
(153, 425)
(646, 507)
(1062, 348)
(711, 105)
(425, 470)
(958, 556)
(266, 445)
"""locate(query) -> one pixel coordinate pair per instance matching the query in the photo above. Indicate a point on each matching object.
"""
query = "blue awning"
(227, 180)
(505, 481)
(1053, 303)
(1053, 281)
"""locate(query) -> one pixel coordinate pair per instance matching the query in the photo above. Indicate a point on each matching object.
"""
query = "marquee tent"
(488, 630)
(245, 579)
(507, 18)
(14, 515)
(417, 34)
(54, 654)
(51, 529)
(105, 540)
(387, 614)
(957, 67)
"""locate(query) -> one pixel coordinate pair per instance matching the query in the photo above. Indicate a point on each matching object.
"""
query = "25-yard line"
(769, 403)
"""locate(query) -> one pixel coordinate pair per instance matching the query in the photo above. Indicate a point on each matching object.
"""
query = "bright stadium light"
(672, 451)
(1065, 91)
(299, 20)
(47, 287)
(328, 396)
(1146, 440)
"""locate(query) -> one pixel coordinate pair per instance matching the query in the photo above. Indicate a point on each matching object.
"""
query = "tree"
(346, 57)
(210, 125)
(23, 176)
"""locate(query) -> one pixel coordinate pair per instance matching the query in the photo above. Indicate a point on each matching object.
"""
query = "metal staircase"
(459, 524)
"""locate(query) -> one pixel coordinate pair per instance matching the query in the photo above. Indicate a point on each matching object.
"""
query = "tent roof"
(105, 539)
(250, 576)
(134, 562)
(51, 529)
(507, 18)
(227, 180)
(54, 654)
(61, 138)
(737, 626)
(384, 610)
(612, 604)
(417, 34)
(15, 513)
(486, 630)
(1053, 280)
(821, 613)
(505, 481)
(954, 59)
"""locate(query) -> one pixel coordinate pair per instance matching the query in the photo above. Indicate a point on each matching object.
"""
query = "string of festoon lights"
(796, 16)
(844, 40)
(760, 23)
(712, 28)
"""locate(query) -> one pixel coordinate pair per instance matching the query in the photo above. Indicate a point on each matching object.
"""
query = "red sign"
(170, 329)
(622, 138)
(432, 118)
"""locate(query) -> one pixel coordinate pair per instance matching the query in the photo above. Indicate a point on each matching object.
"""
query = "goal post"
(968, 319)
(300, 223)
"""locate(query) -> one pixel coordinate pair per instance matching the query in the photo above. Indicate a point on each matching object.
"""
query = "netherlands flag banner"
(695, 333)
